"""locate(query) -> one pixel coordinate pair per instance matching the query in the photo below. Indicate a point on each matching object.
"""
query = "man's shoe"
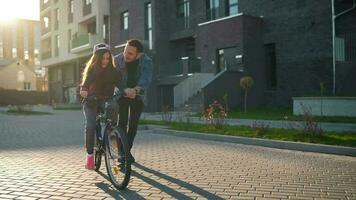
(90, 162)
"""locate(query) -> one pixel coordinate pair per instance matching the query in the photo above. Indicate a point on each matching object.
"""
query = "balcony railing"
(83, 42)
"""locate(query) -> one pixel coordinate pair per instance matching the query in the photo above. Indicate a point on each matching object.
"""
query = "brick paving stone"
(42, 157)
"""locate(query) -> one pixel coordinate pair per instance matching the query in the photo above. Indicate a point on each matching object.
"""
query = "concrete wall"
(326, 106)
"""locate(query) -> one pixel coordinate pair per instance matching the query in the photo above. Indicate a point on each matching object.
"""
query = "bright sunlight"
(23, 9)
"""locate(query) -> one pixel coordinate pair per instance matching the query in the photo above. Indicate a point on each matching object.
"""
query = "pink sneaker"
(90, 162)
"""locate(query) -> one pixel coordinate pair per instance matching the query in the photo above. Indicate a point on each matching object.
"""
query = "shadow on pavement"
(115, 193)
(171, 191)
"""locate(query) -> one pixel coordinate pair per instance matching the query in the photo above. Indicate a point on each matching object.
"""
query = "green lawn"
(282, 113)
(330, 138)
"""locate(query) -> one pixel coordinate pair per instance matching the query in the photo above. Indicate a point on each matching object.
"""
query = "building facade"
(69, 30)
(202, 48)
(20, 55)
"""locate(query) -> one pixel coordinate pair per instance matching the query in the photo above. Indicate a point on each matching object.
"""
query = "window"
(148, 25)
(212, 7)
(27, 86)
(46, 51)
(345, 47)
(87, 7)
(14, 52)
(229, 58)
(26, 55)
(183, 13)
(271, 68)
(232, 7)
(71, 11)
(183, 8)
(221, 60)
(69, 39)
(46, 22)
(57, 45)
(14, 42)
(125, 20)
(37, 56)
(339, 49)
(56, 23)
(106, 25)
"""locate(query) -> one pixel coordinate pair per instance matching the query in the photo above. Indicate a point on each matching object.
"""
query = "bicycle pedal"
(115, 170)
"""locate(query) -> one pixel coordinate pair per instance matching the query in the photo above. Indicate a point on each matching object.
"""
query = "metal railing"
(80, 40)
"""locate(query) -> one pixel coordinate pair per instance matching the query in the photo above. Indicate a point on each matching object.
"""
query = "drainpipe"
(334, 17)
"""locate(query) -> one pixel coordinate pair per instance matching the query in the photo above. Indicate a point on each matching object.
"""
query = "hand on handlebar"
(130, 93)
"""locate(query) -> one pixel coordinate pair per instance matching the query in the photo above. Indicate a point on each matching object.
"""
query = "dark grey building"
(201, 48)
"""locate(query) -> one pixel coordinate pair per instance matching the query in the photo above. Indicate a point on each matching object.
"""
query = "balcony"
(83, 42)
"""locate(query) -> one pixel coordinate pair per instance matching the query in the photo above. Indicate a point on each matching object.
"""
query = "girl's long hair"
(95, 62)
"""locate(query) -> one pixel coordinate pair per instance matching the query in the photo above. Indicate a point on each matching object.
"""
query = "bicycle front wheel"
(116, 158)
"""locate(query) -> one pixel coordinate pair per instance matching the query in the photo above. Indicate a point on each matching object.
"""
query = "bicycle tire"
(119, 173)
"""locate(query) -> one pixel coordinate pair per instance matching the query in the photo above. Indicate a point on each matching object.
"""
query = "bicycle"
(111, 141)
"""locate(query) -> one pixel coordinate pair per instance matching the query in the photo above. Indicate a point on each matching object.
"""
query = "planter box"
(326, 106)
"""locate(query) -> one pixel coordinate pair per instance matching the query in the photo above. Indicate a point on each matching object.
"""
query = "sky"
(23, 9)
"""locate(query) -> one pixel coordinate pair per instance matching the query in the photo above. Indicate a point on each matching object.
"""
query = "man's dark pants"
(134, 107)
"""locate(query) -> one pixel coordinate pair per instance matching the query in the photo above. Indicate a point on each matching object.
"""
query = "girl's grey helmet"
(101, 46)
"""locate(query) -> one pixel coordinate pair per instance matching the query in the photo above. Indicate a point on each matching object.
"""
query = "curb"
(297, 146)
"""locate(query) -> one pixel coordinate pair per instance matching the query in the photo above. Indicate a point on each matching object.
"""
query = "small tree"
(246, 83)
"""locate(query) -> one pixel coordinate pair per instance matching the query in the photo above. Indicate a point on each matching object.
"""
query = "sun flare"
(22, 9)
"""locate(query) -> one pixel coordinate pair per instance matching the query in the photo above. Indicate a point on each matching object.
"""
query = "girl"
(99, 80)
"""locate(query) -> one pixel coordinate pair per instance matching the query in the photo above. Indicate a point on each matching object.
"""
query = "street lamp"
(334, 17)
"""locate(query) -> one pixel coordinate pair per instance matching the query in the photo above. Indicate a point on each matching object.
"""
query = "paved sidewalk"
(42, 157)
(337, 127)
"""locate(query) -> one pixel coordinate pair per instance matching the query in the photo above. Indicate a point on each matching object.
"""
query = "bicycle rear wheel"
(117, 163)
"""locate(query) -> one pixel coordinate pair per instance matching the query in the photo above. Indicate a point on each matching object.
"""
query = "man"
(136, 71)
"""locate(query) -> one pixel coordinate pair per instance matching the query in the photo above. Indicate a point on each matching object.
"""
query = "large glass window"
(271, 68)
(212, 9)
(148, 25)
(183, 14)
(125, 20)
(232, 7)
(71, 11)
